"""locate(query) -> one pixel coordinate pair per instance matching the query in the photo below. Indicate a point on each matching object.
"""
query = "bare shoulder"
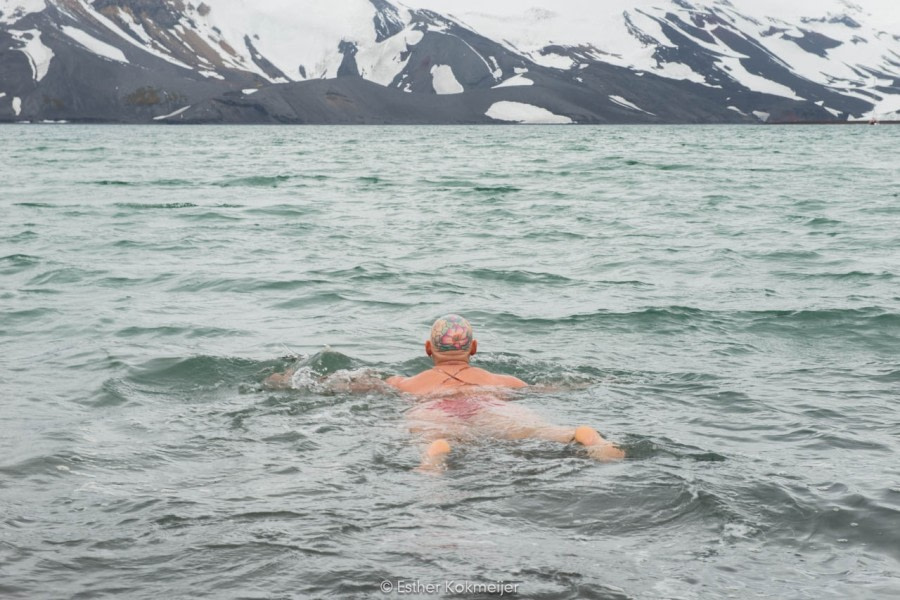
(512, 382)
(396, 380)
(409, 384)
(489, 378)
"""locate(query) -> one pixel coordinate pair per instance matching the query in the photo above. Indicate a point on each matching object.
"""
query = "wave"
(255, 181)
(155, 205)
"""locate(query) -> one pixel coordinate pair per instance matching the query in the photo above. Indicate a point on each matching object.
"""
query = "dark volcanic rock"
(136, 61)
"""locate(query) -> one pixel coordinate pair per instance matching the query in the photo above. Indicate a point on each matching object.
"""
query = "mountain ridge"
(628, 61)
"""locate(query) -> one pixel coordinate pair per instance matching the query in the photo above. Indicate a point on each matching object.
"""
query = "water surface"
(723, 301)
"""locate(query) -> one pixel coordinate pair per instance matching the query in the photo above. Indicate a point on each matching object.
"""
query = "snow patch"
(515, 80)
(94, 45)
(886, 109)
(737, 110)
(14, 10)
(249, 91)
(172, 114)
(762, 116)
(444, 81)
(39, 55)
(2, 94)
(734, 68)
(381, 62)
(17, 105)
(519, 112)
(553, 60)
(623, 102)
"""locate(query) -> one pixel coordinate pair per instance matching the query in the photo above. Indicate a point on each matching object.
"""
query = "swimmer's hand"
(597, 447)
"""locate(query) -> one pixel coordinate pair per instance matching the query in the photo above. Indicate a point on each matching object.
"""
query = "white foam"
(444, 81)
(519, 112)
(39, 55)
(91, 43)
(515, 80)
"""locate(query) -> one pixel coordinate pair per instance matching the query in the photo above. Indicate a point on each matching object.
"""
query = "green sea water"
(724, 302)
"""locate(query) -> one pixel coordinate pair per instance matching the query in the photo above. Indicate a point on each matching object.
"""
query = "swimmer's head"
(451, 337)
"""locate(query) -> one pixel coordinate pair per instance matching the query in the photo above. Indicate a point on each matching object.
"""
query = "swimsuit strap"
(453, 375)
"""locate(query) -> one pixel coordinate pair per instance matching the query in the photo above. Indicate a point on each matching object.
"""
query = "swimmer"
(458, 400)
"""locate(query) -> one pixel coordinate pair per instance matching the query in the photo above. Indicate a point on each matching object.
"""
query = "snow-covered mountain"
(449, 61)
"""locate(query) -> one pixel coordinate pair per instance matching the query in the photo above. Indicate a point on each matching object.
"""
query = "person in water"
(458, 400)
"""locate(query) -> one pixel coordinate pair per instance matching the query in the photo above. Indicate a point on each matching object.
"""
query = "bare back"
(443, 378)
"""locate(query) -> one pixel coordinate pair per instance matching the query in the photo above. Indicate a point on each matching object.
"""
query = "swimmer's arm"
(511, 382)
(279, 380)
(396, 380)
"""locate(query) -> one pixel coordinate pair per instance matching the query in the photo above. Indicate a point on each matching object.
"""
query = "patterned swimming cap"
(451, 333)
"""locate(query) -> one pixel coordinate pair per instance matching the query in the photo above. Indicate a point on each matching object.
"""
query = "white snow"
(515, 80)
(295, 33)
(39, 55)
(444, 81)
(737, 110)
(623, 102)
(602, 25)
(519, 112)
(91, 43)
(291, 33)
(149, 45)
(736, 70)
(172, 114)
(762, 116)
(381, 62)
(2, 94)
(248, 91)
(17, 105)
(553, 60)
(13, 10)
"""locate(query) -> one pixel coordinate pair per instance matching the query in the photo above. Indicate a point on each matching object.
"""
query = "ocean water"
(724, 302)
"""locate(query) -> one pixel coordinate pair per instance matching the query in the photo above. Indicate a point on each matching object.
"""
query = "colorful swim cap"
(451, 333)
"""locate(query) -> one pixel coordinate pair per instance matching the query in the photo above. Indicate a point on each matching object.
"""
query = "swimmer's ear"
(474, 348)
(428, 349)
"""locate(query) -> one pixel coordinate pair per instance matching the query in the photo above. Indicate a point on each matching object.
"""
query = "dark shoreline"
(498, 124)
